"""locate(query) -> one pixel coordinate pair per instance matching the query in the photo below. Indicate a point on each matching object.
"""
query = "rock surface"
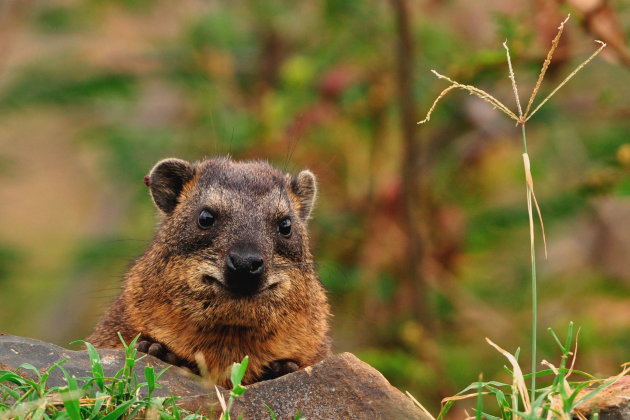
(340, 387)
(612, 403)
(15, 351)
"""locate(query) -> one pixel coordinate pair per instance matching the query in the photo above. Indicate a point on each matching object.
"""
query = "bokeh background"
(420, 231)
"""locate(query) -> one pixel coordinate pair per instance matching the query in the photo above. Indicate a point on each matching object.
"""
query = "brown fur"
(165, 297)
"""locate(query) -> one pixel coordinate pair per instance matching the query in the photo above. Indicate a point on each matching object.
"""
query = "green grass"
(237, 374)
(93, 397)
(105, 398)
(558, 399)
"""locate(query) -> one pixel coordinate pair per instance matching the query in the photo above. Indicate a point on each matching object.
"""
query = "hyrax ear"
(304, 187)
(166, 180)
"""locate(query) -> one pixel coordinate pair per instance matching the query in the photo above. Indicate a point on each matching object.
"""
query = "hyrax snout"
(245, 269)
(228, 274)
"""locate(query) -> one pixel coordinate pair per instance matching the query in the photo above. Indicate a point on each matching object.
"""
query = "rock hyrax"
(228, 274)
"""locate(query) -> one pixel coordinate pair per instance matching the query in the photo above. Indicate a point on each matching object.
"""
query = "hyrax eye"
(284, 227)
(206, 219)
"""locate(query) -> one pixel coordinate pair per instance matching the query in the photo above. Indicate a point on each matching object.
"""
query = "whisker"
(292, 265)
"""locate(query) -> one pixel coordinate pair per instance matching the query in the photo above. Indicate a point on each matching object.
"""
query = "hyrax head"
(232, 230)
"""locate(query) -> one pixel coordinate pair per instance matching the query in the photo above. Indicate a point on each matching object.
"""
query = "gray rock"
(340, 387)
(15, 351)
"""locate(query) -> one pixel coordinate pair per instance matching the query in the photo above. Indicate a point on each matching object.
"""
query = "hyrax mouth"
(239, 286)
(208, 279)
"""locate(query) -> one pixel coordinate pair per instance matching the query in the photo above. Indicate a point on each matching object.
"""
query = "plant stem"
(534, 293)
(524, 138)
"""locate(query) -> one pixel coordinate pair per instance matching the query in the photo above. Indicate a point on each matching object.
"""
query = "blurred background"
(420, 231)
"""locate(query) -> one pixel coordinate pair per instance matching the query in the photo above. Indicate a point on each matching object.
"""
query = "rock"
(15, 351)
(612, 403)
(340, 387)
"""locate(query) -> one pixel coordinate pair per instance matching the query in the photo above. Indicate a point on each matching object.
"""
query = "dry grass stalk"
(417, 403)
(519, 379)
(569, 77)
(522, 118)
(462, 397)
(532, 195)
(556, 372)
(221, 400)
(435, 102)
(519, 387)
(513, 80)
(574, 353)
(543, 70)
(480, 93)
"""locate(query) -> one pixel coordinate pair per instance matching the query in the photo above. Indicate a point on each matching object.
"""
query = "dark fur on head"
(240, 286)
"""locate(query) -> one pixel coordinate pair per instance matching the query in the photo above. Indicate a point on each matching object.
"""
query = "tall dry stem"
(521, 118)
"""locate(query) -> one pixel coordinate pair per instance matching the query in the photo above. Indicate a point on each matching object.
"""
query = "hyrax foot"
(161, 352)
(279, 368)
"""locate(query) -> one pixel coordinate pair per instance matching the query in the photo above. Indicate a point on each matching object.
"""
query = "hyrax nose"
(248, 264)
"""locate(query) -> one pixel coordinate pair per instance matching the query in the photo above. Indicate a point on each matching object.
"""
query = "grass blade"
(518, 375)
(119, 411)
(238, 371)
(97, 366)
(149, 374)
(479, 409)
(272, 415)
(70, 397)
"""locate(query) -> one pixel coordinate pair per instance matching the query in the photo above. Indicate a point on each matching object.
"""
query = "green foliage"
(397, 363)
(93, 397)
(9, 258)
(236, 376)
(509, 27)
(55, 19)
(59, 87)
(558, 398)
(339, 278)
(132, 149)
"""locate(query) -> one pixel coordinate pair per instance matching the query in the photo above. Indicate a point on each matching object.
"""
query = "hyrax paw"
(161, 352)
(279, 368)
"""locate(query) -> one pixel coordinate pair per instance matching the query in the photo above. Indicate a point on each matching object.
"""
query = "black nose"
(244, 271)
(248, 264)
